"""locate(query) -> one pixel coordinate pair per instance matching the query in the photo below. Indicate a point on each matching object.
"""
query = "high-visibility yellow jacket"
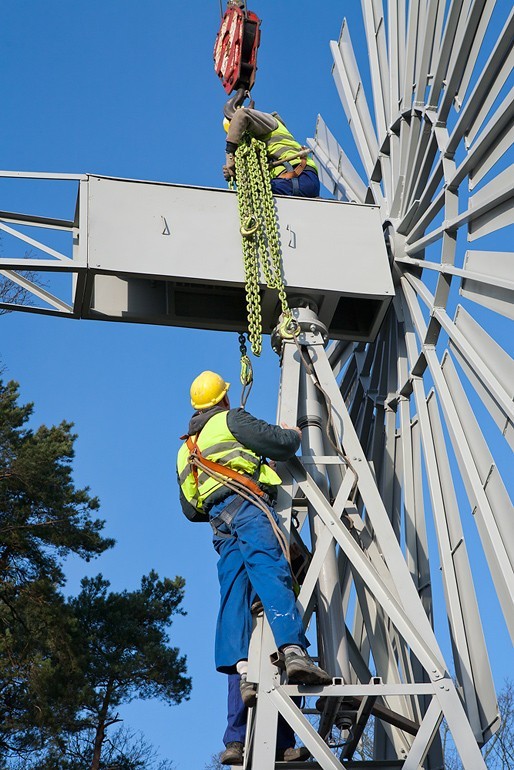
(281, 145)
(218, 444)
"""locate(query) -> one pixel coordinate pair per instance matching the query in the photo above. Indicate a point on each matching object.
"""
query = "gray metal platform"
(170, 254)
(158, 253)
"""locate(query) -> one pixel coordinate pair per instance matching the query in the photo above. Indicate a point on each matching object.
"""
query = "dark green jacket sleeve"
(262, 438)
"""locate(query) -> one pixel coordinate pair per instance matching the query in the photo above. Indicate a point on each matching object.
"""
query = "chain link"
(260, 242)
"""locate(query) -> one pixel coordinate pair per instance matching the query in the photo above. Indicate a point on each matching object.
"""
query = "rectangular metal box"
(171, 254)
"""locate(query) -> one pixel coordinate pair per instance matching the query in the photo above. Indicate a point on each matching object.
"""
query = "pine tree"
(125, 649)
(67, 665)
(43, 518)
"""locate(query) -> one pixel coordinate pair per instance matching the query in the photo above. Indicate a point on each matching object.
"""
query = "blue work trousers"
(237, 714)
(251, 563)
(308, 185)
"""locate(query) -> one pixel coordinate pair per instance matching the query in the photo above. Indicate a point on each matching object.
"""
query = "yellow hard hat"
(226, 124)
(207, 390)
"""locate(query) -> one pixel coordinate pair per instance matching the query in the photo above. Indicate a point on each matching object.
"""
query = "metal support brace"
(339, 538)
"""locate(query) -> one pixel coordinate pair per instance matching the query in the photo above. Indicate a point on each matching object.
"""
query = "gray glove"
(229, 169)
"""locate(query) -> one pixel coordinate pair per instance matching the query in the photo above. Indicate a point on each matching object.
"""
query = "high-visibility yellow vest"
(217, 443)
(281, 145)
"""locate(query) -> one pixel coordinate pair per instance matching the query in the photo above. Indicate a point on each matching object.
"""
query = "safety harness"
(245, 487)
(292, 173)
(197, 460)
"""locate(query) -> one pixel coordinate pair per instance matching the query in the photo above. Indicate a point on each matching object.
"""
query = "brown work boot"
(301, 669)
(300, 754)
(233, 754)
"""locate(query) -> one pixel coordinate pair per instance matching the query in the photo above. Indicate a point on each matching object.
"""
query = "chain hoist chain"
(250, 259)
(259, 228)
(272, 234)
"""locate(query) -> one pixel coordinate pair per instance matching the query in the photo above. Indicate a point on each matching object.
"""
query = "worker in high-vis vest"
(224, 479)
(292, 171)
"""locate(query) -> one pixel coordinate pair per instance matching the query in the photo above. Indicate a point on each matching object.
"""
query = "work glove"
(229, 169)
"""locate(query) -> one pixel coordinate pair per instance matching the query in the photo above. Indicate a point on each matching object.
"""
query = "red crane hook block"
(235, 49)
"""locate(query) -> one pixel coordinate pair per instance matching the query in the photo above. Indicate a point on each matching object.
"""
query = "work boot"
(233, 754)
(301, 669)
(300, 754)
(248, 692)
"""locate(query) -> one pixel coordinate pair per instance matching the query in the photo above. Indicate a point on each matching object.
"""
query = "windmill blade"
(336, 165)
(438, 157)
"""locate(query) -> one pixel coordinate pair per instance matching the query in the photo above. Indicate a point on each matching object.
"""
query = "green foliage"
(43, 517)
(38, 666)
(67, 665)
(123, 643)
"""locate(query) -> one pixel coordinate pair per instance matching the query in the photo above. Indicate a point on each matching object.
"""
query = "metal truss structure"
(401, 425)
(354, 495)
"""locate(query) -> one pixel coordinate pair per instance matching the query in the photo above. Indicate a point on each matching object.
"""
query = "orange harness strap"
(297, 170)
(218, 468)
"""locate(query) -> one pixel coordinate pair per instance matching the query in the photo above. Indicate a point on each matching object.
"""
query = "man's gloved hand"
(229, 169)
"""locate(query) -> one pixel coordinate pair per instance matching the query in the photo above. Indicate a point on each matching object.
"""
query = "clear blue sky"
(127, 89)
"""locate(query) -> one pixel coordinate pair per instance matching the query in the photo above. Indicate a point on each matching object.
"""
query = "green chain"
(259, 228)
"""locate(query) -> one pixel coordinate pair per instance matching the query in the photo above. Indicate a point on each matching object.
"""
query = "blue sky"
(125, 88)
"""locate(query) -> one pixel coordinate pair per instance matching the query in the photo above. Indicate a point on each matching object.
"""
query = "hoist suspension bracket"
(235, 49)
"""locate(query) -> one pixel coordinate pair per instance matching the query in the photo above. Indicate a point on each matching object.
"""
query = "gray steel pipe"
(330, 612)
